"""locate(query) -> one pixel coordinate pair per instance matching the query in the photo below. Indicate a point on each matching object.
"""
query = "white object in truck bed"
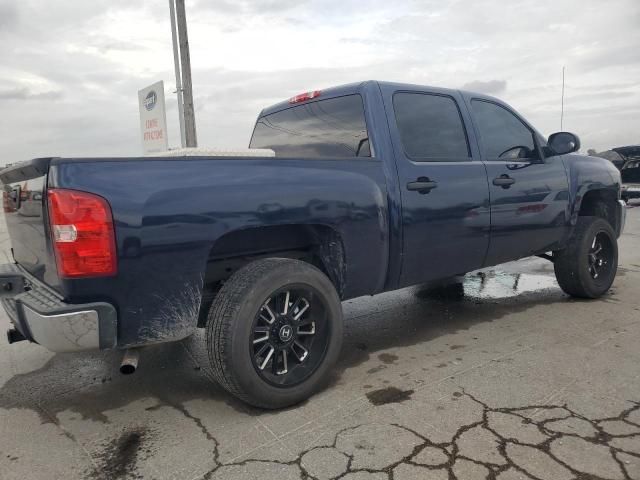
(212, 152)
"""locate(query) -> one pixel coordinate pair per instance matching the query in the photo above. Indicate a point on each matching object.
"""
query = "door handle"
(504, 181)
(422, 185)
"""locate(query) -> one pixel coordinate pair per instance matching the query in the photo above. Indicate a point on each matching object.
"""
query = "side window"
(503, 135)
(430, 127)
(327, 128)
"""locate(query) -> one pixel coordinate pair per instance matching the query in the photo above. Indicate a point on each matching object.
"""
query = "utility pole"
(183, 80)
(176, 64)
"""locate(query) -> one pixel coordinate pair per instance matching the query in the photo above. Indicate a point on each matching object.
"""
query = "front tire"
(274, 332)
(587, 267)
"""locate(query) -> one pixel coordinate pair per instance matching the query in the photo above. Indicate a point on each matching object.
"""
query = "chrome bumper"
(41, 315)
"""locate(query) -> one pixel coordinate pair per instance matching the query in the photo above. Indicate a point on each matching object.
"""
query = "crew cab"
(373, 187)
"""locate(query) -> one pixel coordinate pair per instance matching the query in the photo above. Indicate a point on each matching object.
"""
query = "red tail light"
(303, 97)
(82, 233)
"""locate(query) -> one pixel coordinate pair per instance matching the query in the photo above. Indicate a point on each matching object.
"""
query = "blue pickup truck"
(373, 187)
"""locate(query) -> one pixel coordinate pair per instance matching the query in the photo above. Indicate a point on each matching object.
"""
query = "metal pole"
(562, 104)
(176, 63)
(185, 62)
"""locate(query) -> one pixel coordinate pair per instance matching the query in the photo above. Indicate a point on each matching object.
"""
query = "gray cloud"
(25, 94)
(8, 16)
(248, 6)
(490, 87)
(608, 55)
(76, 66)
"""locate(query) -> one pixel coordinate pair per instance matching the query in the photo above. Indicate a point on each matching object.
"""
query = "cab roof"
(357, 87)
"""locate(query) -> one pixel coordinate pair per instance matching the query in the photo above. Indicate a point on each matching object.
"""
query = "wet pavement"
(507, 379)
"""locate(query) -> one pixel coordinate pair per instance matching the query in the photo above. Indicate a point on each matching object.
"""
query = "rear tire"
(587, 267)
(257, 336)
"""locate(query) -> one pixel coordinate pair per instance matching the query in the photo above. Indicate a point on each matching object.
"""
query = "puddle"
(388, 395)
(388, 358)
(118, 460)
(496, 284)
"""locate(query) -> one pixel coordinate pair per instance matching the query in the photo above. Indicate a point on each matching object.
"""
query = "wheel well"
(318, 245)
(600, 203)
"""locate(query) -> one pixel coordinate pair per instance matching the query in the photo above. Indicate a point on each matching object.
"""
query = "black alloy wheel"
(289, 336)
(600, 256)
(274, 332)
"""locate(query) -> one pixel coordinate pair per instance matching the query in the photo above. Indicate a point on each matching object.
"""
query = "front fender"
(588, 174)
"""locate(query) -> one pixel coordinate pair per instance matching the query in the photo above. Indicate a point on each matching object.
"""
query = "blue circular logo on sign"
(150, 100)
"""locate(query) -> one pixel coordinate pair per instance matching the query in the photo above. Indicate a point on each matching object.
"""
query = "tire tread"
(566, 261)
(224, 311)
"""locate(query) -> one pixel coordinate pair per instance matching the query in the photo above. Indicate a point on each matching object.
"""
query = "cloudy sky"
(70, 70)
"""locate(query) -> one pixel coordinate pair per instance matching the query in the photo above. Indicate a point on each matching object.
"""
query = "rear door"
(529, 190)
(444, 191)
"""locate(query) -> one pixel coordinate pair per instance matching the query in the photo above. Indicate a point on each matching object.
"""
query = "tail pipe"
(129, 362)
(14, 336)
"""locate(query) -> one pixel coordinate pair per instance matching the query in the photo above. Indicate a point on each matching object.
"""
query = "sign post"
(153, 119)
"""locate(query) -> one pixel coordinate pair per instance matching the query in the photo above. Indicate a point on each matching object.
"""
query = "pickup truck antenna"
(562, 101)
(182, 64)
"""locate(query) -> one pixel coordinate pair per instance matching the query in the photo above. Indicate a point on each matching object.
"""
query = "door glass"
(503, 135)
(430, 127)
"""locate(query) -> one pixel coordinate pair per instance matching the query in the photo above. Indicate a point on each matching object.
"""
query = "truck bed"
(172, 216)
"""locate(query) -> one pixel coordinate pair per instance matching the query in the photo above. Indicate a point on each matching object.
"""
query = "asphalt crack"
(452, 453)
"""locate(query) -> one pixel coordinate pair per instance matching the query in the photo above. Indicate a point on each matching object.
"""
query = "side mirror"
(564, 142)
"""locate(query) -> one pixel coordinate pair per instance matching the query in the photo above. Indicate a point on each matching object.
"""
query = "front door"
(529, 190)
(444, 190)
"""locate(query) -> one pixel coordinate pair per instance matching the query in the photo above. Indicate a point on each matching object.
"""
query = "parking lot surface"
(512, 380)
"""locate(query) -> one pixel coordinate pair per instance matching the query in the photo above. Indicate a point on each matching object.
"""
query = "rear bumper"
(41, 315)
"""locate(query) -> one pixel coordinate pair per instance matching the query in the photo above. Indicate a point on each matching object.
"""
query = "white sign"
(153, 119)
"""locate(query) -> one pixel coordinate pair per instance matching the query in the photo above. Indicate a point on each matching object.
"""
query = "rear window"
(327, 128)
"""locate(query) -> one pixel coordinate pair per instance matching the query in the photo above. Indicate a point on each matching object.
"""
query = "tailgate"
(23, 201)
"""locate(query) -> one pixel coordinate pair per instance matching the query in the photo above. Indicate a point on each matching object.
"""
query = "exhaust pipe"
(129, 362)
(14, 336)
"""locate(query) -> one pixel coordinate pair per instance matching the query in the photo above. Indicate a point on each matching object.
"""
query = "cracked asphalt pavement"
(512, 380)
